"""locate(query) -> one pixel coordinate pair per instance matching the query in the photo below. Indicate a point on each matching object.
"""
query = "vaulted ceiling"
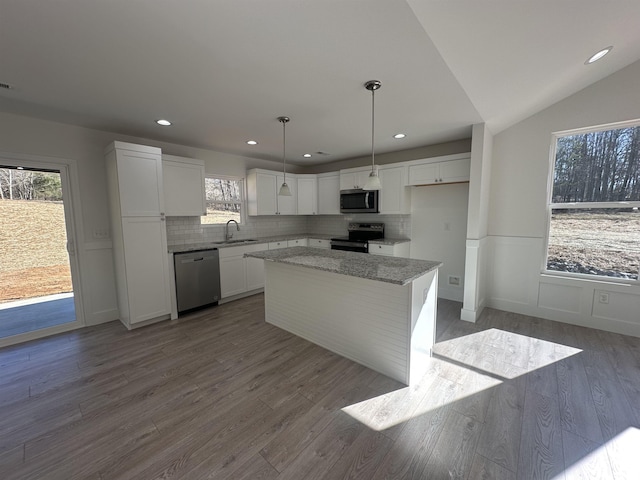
(223, 70)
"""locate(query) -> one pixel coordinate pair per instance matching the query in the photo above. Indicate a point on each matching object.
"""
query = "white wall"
(517, 217)
(439, 231)
(84, 148)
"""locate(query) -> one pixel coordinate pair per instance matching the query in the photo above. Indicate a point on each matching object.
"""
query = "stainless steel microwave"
(359, 201)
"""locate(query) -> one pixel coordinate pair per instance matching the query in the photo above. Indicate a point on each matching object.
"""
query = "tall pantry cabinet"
(139, 234)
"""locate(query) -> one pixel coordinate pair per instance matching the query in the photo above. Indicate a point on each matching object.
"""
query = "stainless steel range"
(359, 236)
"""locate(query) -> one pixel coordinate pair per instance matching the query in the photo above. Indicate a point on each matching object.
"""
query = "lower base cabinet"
(397, 250)
(238, 274)
(255, 272)
(319, 243)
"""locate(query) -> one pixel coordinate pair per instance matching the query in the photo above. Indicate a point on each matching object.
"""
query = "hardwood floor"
(222, 395)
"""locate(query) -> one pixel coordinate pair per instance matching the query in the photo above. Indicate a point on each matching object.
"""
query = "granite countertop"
(192, 247)
(396, 270)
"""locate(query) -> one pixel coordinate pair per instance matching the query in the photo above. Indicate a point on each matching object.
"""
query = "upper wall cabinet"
(329, 193)
(430, 172)
(183, 186)
(354, 178)
(139, 180)
(307, 194)
(262, 193)
(395, 197)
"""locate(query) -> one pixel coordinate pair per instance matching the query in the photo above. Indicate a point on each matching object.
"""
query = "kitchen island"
(377, 311)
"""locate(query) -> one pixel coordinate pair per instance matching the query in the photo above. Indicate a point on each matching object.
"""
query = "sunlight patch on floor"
(433, 391)
(462, 367)
(505, 355)
(620, 454)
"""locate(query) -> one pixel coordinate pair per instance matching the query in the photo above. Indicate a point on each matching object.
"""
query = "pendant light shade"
(373, 182)
(284, 191)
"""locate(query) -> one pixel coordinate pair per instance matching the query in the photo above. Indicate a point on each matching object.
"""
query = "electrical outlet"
(603, 297)
(454, 280)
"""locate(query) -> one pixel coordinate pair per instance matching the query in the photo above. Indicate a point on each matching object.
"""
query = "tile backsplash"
(187, 230)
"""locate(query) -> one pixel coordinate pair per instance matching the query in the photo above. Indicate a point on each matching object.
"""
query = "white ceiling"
(223, 70)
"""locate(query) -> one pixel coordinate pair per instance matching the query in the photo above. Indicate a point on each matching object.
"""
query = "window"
(594, 217)
(224, 200)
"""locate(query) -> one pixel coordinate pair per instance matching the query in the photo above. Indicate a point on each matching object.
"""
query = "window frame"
(242, 202)
(550, 205)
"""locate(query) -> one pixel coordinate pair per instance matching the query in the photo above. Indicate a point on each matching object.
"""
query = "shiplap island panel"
(377, 311)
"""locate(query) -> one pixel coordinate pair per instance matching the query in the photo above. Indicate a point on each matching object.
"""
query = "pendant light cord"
(284, 151)
(373, 116)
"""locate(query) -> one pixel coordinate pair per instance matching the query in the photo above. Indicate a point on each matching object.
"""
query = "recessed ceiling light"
(597, 56)
(399, 135)
(164, 123)
(251, 142)
(307, 155)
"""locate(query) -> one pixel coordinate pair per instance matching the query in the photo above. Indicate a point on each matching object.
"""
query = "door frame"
(75, 240)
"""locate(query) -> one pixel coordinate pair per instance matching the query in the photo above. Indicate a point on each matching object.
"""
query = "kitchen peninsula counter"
(377, 311)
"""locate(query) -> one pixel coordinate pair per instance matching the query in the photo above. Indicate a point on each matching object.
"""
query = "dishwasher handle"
(197, 259)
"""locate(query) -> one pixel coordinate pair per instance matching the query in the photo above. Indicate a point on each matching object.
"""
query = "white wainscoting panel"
(517, 284)
(513, 272)
(363, 320)
(621, 307)
(99, 287)
(475, 285)
(563, 298)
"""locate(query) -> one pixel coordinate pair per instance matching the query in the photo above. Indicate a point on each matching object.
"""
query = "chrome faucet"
(228, 236)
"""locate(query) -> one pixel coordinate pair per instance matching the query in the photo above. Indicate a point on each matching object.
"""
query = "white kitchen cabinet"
(280, 244)
(139, 234)
(298, 242)
(354, 178)
(396, 250)
(430, 173)
(233, 276)
(395, 196)
(307, 195)
(262, 192)
(238, 274)
(255, 272)
(287, 205)
(329, 193)
(138, 179)
(183, 180)
(320, 243)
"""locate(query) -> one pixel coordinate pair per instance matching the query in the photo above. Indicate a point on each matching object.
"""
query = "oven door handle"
(338, 243)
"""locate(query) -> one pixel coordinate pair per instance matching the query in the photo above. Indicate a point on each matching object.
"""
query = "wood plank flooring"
(220, 394)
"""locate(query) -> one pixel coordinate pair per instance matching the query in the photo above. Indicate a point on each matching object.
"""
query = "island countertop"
(396, 270)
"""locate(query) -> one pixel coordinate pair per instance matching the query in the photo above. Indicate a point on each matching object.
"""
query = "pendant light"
(284, 188)
(373, 182)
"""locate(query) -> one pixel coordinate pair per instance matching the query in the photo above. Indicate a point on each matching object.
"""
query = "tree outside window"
(224, 198)
(594, 217)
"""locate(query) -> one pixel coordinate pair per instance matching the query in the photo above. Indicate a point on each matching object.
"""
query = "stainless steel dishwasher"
(197, 278)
